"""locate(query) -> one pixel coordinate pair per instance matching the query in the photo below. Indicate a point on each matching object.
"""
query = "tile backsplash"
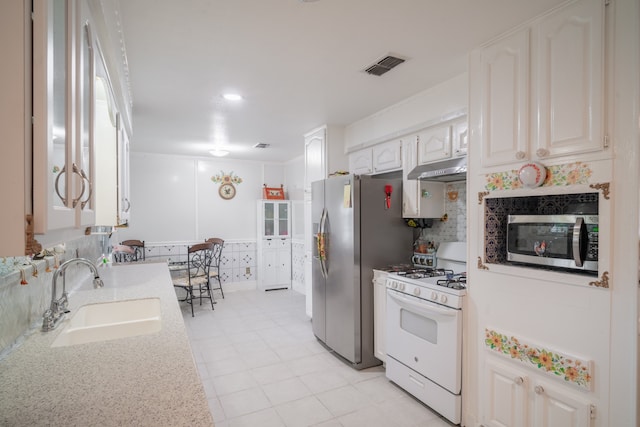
(454, 228)
(22, 304)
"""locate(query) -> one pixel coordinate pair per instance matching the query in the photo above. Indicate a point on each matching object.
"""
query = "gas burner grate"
(454, 281)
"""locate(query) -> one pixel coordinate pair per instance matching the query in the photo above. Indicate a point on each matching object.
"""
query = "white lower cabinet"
(379, 314)
(275, 264)
(513, 397)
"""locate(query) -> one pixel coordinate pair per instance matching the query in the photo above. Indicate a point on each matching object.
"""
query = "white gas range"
(424, 330)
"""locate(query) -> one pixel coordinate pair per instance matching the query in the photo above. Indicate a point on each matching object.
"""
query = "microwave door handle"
(575, 243)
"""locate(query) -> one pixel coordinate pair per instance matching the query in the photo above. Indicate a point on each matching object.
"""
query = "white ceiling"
(297, 64)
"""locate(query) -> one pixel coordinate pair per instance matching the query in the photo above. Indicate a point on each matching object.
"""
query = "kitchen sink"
(110, 321)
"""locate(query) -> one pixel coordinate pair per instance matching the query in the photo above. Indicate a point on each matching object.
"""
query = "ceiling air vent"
(384, 65)
(261, 145)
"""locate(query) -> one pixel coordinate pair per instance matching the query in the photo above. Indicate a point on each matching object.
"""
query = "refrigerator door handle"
(322, 240)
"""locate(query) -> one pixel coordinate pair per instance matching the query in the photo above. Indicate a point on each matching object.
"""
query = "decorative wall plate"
(532, 174)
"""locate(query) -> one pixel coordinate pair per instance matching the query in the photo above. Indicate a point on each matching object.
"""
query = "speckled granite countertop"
(149, 380)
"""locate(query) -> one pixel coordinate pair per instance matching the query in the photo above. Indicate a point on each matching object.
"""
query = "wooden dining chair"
(196, 274)
(214, 271)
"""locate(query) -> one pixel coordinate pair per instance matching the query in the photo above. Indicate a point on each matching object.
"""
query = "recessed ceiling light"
(232, 97)
(218, 153)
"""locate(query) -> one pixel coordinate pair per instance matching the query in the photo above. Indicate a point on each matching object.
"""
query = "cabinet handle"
(128, 204)
(542, 152)
(82, 176)
(85, 178)
(518, 380)
(520, 155)
(538, 389)
(63, 198)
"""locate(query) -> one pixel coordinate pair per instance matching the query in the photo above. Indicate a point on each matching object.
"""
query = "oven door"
(426, 337)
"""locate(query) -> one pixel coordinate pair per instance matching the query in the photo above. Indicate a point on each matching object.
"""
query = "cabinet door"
(387, 156)
(379, 315)
(556, 406)
(434, 144)
(54, 170)
(504, 77)
(505, 397)
(283, 219)
(283, 262)
(410, 198)
(460, 131)
(569, 80)
(124, 202)
(269, 222)
(269, 265)
(361, 162)
(85, 123)
(315, 167)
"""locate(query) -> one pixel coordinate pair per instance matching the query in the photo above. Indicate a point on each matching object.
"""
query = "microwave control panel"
(592, 239)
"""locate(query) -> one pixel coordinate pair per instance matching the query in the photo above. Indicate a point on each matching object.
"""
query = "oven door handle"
(577, 233)
(426, 307)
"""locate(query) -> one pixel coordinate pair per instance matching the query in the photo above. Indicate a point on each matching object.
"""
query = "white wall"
(441, 102)
(174, 200)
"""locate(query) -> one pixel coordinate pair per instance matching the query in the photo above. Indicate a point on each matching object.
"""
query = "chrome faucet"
(58, 308)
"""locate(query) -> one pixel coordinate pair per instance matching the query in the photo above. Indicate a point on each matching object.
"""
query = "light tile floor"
(261, 365)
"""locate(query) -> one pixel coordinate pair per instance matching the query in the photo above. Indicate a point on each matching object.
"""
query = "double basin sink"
(110, 321)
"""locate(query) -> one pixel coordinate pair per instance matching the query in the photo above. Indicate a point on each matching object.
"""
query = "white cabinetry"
(123, 158)
(380, 158)
(420, 199)
(63, 78)
(512, 398)
(443, 141)
(541, 89)
(361, 162)
(379, 314)
(274, 244)
(434, 144)
(387, 156)
(323, 154)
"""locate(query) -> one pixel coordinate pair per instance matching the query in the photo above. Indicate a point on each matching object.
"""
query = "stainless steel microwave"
(554, 241)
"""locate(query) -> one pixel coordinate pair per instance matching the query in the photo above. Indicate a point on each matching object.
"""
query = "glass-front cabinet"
(63, 95)
(275, 218)
(274, 244)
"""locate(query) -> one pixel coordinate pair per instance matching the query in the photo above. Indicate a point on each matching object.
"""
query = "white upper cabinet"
(387, 156)
(568, 81)
(323, 154)
(460, 135)
(410, 187)
(55, 172)
(504, 92)
(542, 88)
(380, 158)
(434, 143)
(361, 162)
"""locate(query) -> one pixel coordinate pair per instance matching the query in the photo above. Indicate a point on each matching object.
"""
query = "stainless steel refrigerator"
(357, 227)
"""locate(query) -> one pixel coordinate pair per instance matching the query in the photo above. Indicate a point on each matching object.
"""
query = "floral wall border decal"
(571, 369)
(559, 175)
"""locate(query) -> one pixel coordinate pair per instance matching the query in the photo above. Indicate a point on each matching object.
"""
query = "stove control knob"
(434, 296)
(402, 286)
(443, 299)
(416, 291)
(394, 285)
